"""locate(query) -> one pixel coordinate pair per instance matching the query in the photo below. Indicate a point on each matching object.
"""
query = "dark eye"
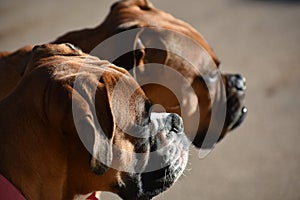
(213, 76)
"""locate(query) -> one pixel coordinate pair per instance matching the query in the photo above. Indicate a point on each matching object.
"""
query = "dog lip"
(155, 182)
(168, 158)
(242, 117)
(241, 87)
(152, 183)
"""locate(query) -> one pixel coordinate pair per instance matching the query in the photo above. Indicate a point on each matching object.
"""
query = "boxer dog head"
(88, 109)
(157, 37)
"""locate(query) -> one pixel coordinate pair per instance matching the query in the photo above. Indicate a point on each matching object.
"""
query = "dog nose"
(176, 123)
(238, 81)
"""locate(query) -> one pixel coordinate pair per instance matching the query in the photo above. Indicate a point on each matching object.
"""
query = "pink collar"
(8, 191)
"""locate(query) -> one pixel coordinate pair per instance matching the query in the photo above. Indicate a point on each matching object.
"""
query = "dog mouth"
(150, 184)
(173, 159)
(147, 185)
(160, 180)
(167, 160)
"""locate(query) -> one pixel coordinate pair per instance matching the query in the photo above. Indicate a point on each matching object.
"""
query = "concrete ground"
(258, 38)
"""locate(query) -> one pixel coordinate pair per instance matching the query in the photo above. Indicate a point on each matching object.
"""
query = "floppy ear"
(83, 108)
(95, 123)
(139, 53)
(105, 117)
(149, 47)
(111, 50)
(139, 46)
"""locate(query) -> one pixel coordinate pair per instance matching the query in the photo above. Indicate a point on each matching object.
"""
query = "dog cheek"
(97, 167)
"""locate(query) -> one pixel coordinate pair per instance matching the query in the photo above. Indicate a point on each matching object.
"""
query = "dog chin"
(174, 162)
(150, 184)
(155, 182)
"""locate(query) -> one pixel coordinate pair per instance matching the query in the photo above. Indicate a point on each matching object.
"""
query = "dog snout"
(169, 153)
(167, 122)
(237, 81)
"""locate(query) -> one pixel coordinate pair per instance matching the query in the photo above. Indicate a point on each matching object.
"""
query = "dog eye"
(213, 76)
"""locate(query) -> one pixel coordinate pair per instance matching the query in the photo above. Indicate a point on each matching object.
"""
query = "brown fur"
(41, 153)
(130, 14)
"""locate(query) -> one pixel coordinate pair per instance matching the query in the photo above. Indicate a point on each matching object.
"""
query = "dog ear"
(139, 53)
(83, 107)
(96, 124)
(149, 48)
(104, 114)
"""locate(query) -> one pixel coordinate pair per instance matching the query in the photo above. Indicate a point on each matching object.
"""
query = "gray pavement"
(258, 38)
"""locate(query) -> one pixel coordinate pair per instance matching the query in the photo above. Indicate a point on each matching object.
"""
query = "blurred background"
(258, 38)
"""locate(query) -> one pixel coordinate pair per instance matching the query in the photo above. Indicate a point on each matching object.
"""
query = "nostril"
(175, 129)
(176, 123)
(239, 82)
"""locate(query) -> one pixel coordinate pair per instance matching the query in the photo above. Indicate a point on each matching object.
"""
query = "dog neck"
(44, 168)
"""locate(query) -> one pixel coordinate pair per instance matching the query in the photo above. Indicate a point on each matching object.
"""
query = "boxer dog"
(199, 66)
(75, 124)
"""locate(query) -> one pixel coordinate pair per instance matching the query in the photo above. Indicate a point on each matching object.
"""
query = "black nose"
(237, 81)
(176, 124)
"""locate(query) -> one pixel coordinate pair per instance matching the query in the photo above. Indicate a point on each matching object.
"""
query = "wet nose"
(176, 123)
(238, 81)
